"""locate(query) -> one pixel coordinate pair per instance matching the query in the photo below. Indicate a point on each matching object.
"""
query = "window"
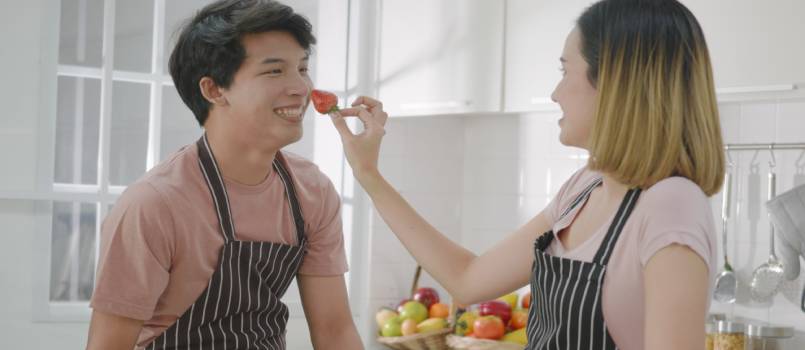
(116, 119)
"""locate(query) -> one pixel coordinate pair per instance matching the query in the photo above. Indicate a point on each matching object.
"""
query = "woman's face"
(575, 95)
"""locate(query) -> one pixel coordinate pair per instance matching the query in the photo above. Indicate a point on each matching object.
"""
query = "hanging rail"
(763, 146)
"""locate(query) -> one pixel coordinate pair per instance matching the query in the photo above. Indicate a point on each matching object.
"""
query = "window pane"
(77, 125)
(134, 27)
(179, 126)
(129, 138)
(80, 32)
(72, 264)
(176, 13)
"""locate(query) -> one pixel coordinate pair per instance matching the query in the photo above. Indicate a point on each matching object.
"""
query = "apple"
(414, 310)
(400, 305)
(409, 327)
(526, 302)
(496, 308)
(426, 296)
(383, 315)
(510, 299)
(392, 328)
(488, 327)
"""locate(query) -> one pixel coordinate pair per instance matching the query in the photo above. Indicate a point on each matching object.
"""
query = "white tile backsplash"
(478, 178)
(748, 240)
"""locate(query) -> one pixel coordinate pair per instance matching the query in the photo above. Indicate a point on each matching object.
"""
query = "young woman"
(624, 256)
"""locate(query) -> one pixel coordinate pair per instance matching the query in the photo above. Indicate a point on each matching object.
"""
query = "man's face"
(267, 99)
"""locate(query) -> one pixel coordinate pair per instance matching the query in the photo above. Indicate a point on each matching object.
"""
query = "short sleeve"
(135, 256)
(325, 251)
(676, 211)
(569, 190)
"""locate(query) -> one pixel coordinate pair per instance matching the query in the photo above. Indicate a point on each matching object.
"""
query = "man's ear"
(212, 92)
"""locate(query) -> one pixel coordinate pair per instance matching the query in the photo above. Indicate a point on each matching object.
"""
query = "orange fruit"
(439, 310)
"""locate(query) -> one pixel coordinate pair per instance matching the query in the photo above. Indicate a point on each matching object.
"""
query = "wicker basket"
(456, 342)
(422, 341)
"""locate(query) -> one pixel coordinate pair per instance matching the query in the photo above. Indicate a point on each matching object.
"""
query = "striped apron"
(241, 307)
(567, 293)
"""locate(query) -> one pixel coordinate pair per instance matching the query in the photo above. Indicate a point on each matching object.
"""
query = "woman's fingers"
(374, 106)
(367, 118)
(368, 102)
(340, 125)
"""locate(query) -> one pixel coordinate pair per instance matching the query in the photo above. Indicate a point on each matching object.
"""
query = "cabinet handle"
(765, 88)
(435, 105)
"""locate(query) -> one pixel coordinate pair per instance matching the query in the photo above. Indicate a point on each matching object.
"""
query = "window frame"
(46, 191)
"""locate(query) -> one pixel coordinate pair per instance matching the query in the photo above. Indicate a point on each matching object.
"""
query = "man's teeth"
(288, 112)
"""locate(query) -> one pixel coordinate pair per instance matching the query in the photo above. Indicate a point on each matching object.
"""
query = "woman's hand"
(362, 149)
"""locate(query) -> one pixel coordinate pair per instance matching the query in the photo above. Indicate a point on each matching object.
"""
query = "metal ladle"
(767, 278)
(726, 283)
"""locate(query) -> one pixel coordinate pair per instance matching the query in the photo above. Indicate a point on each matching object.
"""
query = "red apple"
(496, 308)
(426, 296)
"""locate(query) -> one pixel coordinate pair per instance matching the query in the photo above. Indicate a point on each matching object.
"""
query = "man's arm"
(329, 318)
(112, 332)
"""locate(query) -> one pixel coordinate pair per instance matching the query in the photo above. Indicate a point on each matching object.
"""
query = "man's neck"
(238, 160)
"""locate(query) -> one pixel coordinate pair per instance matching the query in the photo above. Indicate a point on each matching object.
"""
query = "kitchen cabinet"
(535, 35)
(440, 56)
(753, 43)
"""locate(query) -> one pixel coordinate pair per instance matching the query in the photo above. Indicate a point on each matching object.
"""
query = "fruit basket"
(455, 342)
(424, 341)
(426, 338)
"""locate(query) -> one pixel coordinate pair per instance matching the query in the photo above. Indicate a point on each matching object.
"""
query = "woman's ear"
(212, 92)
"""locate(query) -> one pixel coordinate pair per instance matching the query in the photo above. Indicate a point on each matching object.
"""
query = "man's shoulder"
(304, 171)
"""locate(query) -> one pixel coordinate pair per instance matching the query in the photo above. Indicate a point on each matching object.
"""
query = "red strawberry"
(325, 102)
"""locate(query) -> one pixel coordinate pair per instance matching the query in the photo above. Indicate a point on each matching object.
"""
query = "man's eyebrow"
(271, 60)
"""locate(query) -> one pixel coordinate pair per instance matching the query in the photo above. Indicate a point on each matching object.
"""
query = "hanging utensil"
(726, 283)
(767, 278)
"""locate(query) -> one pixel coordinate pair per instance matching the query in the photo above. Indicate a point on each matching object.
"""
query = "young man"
(199, 251)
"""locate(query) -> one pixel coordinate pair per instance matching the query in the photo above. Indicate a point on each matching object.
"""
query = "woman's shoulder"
(675, 204)
(674, 193)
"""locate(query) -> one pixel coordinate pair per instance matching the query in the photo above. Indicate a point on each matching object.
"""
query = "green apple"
(384, 315)
(414, 310)
(392, 328)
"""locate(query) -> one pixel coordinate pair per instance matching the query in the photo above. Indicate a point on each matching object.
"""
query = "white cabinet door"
(535, 35)
(753, 43)
(440, 56)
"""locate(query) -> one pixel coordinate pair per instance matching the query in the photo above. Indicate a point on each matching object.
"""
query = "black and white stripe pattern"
(241, 307)
(566, 294)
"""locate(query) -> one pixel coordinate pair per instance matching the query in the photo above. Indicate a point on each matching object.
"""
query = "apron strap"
(624, 211)
(293, 201)
(581, 197)
(209, 167)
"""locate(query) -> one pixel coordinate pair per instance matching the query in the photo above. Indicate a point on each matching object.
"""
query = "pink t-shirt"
(673, 211)
(160, 243)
